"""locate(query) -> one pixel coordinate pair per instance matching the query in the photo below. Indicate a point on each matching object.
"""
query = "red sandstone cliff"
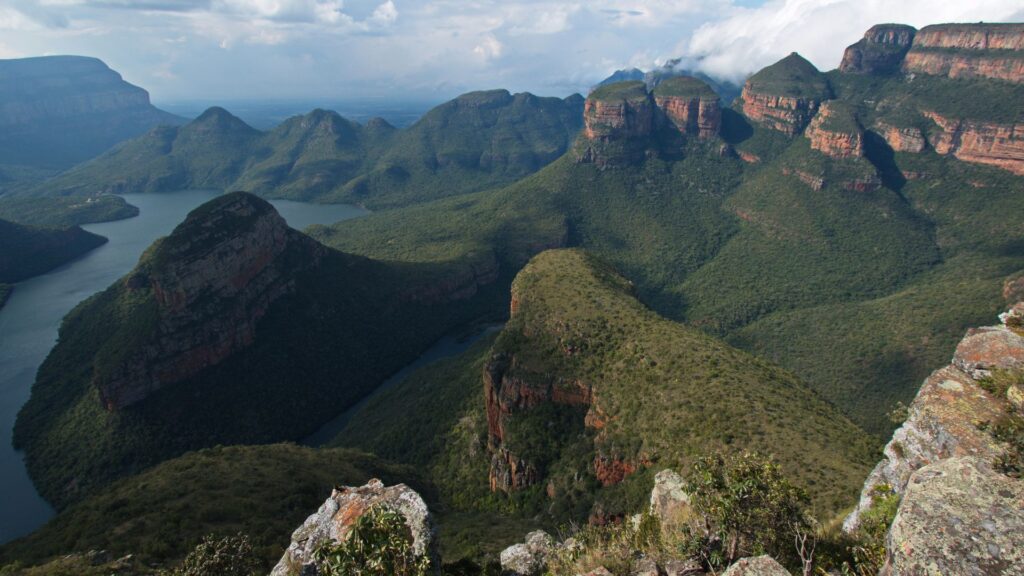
(836, 132)
(881, 51)
(969, 51)
(1000, 145)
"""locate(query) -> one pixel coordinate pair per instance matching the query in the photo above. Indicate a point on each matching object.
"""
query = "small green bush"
(378, 545)
(750, 507)
(228, 556)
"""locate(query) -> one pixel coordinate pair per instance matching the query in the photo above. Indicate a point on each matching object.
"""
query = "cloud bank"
(434, 49)
(751, 38)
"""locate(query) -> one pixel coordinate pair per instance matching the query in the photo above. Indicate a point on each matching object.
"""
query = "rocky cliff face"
(210, 282)
(65, 109)
(943, 420)
(902, 139)
(333, 523)
(786, 95)
(618, 121)
(509, 392)
(785, 114)
(969, 51)
(835, 131)
(690, 106)
(1000, 145)
(881, 51)
(958, 516)
(692, 116)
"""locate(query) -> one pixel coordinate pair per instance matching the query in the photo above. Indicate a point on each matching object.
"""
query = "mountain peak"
(199, 293)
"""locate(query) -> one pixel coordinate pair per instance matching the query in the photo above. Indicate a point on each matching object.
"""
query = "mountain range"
(678, 277)
(58, 111)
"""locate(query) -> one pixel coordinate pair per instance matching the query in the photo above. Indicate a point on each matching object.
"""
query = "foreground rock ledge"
(335, 518)
(958, 516)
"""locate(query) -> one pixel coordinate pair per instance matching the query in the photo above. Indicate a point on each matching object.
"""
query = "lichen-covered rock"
(880, 51)
(943, 420)
(529, 558)
(942, 423)
(335, 518)
(683, 568)
(645, 567)
(758, 566)
(958, 516)
(989, 348)
(599, 571)
(669, 501)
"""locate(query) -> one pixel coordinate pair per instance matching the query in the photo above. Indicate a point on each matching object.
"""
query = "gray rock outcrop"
(757, 566)
(943, 419)
(529, 558)
(335, 518)
(958, 516)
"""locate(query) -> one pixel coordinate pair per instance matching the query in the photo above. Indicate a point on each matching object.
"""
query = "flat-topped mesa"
(968, 51)
(880, 51)
(690, 105)
(942, 421)
(786, 95)
(836, 132)
(618, 121)
(200, 293)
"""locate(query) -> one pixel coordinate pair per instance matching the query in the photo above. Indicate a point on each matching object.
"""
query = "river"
(29, 321)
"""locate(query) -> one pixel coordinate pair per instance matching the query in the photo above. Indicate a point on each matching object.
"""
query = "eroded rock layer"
(969, 51)
(835, 132)
(881, 50)
(1000, 145)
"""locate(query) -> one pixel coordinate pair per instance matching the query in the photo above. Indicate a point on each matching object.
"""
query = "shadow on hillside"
(883, 157)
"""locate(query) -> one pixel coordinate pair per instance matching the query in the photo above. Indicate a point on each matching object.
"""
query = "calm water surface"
(29, 321)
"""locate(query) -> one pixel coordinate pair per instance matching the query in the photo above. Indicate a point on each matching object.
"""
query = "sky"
(436, 49)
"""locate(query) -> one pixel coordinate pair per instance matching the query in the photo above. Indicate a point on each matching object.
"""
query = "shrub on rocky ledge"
(379, 544)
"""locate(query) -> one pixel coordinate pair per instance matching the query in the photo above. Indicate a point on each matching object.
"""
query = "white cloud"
(489, 48)
(439, 48)
(749, 39)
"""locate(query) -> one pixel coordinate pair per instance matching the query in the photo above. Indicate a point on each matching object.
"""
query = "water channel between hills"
(30, 319)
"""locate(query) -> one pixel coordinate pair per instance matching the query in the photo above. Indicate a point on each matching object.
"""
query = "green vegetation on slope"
(793, 76)
(855, 288)
(349, 323)
(686, 87)
(479, 140)
(667, 394)
(160, 514)
(29, 251)
(64, 211)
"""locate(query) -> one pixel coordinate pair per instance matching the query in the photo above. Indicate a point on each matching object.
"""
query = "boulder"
(599, 571)
(758, 566)
(529, 558)
(958, 516)
(943, 419)
(989, 348)
(683, 568)
(645, 567)
(669, 501)
(335, 518)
